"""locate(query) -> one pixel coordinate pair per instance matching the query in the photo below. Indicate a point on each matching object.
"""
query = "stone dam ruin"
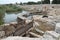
(42, 25)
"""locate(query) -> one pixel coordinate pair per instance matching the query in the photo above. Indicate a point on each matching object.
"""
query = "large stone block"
(57, 28)
(43, 23)
(51, 34)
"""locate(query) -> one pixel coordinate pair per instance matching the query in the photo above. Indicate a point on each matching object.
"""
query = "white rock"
(13, 23)
(36, 24)
(42, 23)
(6, 24)
(2, 33)
(24, 38)
(57, 28)
(28, 21)
(52, 34)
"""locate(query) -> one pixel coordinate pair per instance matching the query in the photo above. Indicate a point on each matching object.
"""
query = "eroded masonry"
(42, 25)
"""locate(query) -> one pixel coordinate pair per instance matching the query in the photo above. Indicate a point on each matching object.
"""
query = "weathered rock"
(43, 23)
(1, 27)
(13, 23)
(28, 21)
(2, 34)
(9, 30)
(20, 38)
(54, 12)
(6, 24)
(26, 38)
(57, 28)
(51, 34)
(23, 29)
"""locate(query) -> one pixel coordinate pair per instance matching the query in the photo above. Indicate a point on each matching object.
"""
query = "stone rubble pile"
(44, 26)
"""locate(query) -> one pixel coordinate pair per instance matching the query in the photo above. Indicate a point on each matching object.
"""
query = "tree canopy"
(56, 2)
(43, 2)
(46, 1)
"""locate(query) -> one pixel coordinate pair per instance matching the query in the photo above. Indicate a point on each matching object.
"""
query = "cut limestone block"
(43, 24)
(52, 34)
(57, 28)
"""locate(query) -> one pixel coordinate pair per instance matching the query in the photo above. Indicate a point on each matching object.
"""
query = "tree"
(21, 3)
(46, 1)
(39, 2)
(56, 2)
(30, 3)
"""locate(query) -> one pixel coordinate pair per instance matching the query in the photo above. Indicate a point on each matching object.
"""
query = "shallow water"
(11, 17)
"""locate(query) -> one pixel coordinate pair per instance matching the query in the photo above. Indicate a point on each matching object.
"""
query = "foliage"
(46, 1)
(21, 3)
(10, 8)
(39, 2)
(1, 22)
(31, 3)
(1, 15)
(56, 2)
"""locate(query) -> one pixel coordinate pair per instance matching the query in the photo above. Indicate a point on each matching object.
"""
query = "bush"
(13, 8)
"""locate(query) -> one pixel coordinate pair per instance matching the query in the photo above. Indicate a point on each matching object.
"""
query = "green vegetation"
(43, 2)
(1, 22)
(10, 8)
(56, 2)
(31, 3)
(2, 11)
(39, 2)
(46, 1)
(1, 15)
